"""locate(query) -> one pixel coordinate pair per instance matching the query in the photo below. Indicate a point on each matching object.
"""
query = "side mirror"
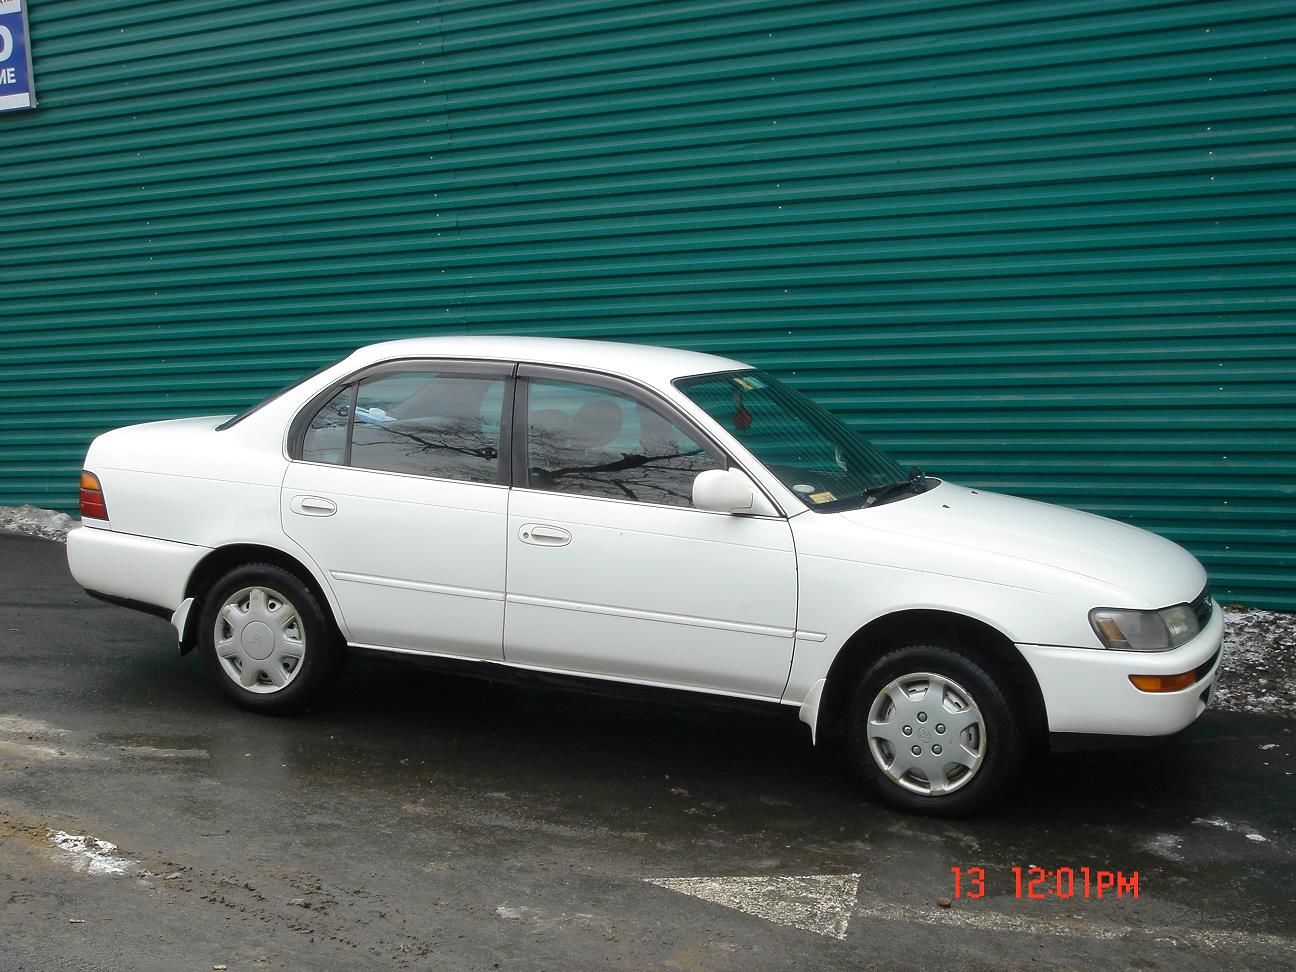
(729, 491)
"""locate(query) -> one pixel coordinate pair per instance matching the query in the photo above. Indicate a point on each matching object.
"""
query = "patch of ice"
(33, 728)
(36, 522)
(1225, 825)
(544, 920)
(90, 854)
(1213, 822)
(1165, 845)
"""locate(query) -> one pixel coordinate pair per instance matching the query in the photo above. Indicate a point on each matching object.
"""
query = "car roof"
(642, 361)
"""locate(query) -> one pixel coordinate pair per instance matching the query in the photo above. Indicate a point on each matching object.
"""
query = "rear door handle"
(543, 535)
(313, 506)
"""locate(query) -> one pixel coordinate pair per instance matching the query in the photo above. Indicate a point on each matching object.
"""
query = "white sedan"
(647, 516)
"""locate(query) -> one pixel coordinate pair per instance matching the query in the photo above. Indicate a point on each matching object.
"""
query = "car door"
(399, 491)
(612, 572)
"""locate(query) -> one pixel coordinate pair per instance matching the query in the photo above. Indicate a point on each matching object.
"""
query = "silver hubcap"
(260, 640)
(927, 734)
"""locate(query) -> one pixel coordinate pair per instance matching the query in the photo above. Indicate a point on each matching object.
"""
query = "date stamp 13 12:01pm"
(1038, 883)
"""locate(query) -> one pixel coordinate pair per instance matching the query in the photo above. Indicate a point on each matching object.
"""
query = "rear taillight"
(92, 497)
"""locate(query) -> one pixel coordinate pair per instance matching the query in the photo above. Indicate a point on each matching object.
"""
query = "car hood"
(1143, 569)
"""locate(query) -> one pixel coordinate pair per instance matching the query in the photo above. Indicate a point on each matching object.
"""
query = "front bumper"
(1087, 690)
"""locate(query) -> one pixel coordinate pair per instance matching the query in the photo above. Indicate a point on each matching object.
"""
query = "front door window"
(595, 441)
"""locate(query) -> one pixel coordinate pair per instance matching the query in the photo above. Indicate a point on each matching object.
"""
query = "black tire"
(304, 679)
(998, 736)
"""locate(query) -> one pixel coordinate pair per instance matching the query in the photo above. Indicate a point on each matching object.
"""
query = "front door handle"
(543, 535)
(313, 506)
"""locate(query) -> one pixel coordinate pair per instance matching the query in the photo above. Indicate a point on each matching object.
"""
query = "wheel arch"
(223, 559)
(995, 649)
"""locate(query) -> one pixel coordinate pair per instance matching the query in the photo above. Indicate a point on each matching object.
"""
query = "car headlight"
(1145, 630)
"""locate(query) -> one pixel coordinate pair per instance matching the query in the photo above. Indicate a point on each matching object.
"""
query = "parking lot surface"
(423, 821)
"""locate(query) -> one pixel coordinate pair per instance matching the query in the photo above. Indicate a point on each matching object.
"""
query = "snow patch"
(90, 854)
(1165, 845)
(1213, 822)
(36, 522)
(1259, 671)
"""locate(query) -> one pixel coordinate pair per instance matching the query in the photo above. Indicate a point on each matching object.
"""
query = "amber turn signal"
(92, 497)
(1163, 683)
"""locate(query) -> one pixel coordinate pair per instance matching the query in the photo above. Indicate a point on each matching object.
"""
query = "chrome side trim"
(620, 612)
(410, 585)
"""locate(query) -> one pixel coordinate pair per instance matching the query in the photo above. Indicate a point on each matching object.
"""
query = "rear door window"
(430, 424)
(421, 422)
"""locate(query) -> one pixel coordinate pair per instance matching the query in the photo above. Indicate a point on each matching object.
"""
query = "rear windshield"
(235, 420)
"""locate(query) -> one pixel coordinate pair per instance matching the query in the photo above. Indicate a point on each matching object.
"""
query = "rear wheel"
(934, 731)
(267, 638)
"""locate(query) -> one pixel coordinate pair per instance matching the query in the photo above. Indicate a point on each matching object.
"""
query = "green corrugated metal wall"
(1045, 247)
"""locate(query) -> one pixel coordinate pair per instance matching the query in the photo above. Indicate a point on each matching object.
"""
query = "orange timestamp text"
(1038, 883)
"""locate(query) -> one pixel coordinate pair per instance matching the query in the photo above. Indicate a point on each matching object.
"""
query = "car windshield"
(813, 453)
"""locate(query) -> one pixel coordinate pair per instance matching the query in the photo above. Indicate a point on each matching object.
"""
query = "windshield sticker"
(748, 383)
(824, 497)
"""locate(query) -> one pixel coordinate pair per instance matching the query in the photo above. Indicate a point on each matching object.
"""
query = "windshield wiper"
(916, 483)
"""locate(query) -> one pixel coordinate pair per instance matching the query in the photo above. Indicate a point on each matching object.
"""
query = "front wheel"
(267, 639)
(933, 731)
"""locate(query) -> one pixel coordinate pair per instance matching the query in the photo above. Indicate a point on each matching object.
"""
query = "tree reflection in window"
(430, 424)
(597, 442)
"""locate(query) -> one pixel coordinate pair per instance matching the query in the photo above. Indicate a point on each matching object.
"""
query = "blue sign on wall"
(16, 87)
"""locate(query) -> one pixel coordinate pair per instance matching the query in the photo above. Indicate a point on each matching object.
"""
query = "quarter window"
(326, 436)
(597, 442)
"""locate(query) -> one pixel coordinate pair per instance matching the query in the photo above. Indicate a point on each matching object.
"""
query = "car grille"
(1201, 607)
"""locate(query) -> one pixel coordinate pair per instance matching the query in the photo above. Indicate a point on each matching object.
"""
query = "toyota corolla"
(666, 519)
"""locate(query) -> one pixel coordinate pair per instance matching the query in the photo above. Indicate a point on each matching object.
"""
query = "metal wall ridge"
(1039, 246)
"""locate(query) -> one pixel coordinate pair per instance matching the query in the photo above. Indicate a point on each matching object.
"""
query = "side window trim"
(519, 430)
(505, 465)
(447, 366)
(350, 426)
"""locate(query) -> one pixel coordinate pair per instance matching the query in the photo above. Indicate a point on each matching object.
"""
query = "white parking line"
(819, 903)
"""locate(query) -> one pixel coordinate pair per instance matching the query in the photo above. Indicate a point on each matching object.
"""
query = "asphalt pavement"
(423, 821)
